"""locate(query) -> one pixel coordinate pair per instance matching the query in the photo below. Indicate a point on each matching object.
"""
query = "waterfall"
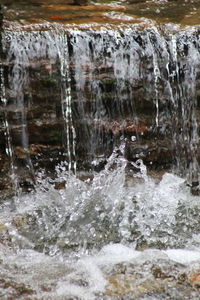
(100, 143)
(183, 80)
(109, 84)
(61, 41)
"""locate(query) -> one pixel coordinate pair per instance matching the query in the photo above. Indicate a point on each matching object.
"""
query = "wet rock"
(155, 155)
(195, 188)
(5, 238)
(60, 185)
(22, 220)
(80, 2)
(1, 29)
(6, 186)
(157, 280)
(21, 152)
(194, 278)
(48, 133)
(14, 290)
(121, 285)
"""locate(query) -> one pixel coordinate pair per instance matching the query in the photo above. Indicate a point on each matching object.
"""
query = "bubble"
(133, 138)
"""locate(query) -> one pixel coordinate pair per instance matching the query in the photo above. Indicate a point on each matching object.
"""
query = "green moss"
(49, 82)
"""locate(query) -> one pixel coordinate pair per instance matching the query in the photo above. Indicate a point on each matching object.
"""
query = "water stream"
(87, 219)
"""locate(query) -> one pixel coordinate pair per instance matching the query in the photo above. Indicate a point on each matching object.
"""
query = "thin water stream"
(100, 131)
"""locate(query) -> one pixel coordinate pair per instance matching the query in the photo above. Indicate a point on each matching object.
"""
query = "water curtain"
(130, 82)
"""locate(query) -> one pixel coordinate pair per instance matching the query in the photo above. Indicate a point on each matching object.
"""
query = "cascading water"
(104, 78)
(113, 101)
(184, 102)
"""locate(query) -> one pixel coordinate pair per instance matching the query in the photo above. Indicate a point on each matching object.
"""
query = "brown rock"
(194, 278)
(60, 185)
(120, 284)
(21, 152)
(128, 284)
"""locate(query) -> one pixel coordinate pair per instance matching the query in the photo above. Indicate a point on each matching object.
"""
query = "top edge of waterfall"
(86, 14)
(95, 27)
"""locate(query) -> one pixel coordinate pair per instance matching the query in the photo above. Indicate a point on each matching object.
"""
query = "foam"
(183, 256)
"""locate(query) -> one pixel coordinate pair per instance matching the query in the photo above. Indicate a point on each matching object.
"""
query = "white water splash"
(107, 212)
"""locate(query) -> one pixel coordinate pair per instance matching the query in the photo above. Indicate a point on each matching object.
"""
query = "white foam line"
(183, 256)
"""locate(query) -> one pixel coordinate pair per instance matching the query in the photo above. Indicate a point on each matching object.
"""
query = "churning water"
(80, 238)
(67, 243)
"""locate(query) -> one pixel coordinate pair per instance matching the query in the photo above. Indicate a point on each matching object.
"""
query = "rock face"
(75, 93)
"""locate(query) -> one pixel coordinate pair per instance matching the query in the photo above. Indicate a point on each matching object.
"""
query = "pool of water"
(113, 236)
